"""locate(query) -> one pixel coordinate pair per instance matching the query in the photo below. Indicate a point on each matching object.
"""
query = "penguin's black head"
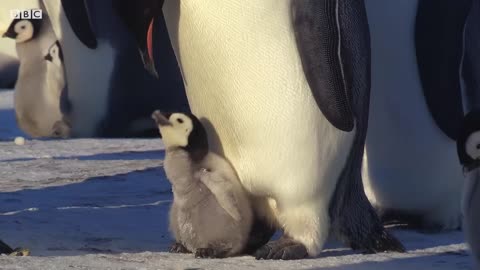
(468, 143)
(139, 16)
(55, 54)
(182, 130)
(23, 30)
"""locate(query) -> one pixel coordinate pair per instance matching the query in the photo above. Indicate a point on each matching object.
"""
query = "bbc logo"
(26, 14)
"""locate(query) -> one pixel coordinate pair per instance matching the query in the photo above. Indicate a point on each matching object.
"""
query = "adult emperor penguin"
(111, 93)
(283, 90)
(38, 87)
(468, 147)
(410, 168)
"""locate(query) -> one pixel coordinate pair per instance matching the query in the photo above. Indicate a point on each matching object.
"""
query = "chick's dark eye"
(23, 26)
(179, 120)
(478, 146)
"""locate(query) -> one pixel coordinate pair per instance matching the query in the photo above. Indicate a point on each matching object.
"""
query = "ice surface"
(103, 204)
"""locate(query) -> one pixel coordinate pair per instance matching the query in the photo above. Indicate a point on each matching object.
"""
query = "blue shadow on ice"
(8, 126)
(441, 261)
(125, 155)
(111, 214)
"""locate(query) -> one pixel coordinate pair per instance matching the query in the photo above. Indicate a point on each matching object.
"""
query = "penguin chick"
(468, 147)
(210, 215)
(61, 128)
(40, 82)
(23, 30)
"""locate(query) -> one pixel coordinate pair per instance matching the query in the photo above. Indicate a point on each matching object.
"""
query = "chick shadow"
(8, 125)
(113, 214)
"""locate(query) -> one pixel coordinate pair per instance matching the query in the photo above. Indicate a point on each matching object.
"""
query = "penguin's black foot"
(282, 249)
(60, 129)
(260, 234)
(178, 248)
(20, 252)
(380, 242)
(209, 253)
(4, 248)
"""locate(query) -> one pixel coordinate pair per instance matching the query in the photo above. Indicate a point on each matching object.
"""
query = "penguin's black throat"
(197, 140)
(472, 165)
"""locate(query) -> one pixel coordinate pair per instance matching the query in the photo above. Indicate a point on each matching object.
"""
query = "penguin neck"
(179, 167)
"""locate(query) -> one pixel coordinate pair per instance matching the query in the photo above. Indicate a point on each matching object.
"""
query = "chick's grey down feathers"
(210, 208)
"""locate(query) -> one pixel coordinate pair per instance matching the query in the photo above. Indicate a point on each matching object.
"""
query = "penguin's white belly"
(409, 163)
(243, 75)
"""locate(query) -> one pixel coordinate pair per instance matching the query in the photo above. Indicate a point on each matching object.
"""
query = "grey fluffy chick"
(211, 215)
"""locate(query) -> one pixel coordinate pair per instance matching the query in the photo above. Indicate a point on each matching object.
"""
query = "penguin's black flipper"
(76, 12)
(4, 248)
(334, 43)
(319, 41)
(471, 58)
(439, 46)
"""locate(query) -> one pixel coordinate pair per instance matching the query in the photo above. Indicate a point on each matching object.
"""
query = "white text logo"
(26, 14)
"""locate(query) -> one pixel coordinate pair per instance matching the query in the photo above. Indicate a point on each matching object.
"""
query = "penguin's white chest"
(409, 163)
(244, 77)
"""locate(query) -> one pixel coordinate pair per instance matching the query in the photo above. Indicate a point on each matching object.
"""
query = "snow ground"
(103, 204)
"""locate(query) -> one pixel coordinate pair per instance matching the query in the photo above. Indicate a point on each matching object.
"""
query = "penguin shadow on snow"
(111, 214)
(125, 155)
(442, 260)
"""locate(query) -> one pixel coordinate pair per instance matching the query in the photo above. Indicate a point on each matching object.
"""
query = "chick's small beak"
(160, 118)
(9, 34)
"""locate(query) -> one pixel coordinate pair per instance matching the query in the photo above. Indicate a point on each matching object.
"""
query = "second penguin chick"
(210, 215)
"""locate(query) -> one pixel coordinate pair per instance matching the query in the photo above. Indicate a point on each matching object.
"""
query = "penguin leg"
(354, 220)
(61, 129)
(260, 234)
(178, 248)
(306, 228)
(284, 248)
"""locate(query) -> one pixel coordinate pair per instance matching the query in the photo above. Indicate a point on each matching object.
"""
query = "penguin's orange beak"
(139, 17)
(148, 55)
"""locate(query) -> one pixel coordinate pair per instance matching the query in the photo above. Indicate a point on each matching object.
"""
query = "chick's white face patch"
(24, 30)
(176, 134)
(472, 145)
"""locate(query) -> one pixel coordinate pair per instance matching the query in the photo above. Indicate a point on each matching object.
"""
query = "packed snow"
(103, 204)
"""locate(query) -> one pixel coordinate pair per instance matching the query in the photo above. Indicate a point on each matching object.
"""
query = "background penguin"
(37, 91)
(61, 128)
(111, 93)
(410, 170)
(210, 215)
(468, 147)
(268, 72)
